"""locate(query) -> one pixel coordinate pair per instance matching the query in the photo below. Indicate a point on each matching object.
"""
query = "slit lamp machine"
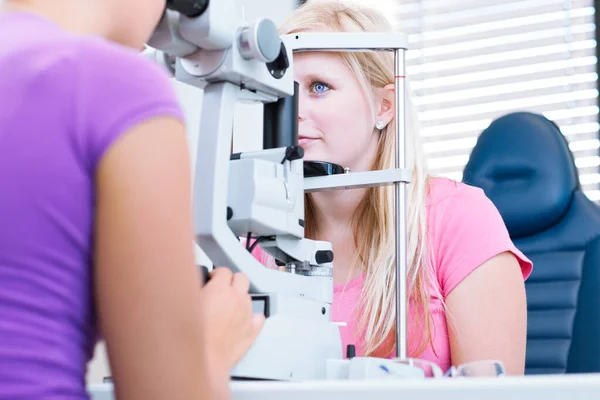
(261, 193)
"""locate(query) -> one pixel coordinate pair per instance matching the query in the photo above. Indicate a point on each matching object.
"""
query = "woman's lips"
(303, 141)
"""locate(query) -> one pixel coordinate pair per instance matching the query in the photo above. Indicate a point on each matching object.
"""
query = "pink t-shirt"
(465, 230)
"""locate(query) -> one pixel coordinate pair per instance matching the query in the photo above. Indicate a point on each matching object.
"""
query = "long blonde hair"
(373, 220)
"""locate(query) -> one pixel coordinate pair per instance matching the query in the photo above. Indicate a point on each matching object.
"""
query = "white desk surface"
(543, 387)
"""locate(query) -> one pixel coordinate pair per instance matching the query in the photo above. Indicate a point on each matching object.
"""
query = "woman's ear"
(386, 106)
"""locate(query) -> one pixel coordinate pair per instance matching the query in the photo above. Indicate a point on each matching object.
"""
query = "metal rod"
(400, 205)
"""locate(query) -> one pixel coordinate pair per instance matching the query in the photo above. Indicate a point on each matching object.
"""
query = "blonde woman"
(466, 278)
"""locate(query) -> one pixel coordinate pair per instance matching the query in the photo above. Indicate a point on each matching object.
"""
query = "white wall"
(247, 126)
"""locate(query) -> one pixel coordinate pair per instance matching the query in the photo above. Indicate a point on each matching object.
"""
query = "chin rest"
(524, 165)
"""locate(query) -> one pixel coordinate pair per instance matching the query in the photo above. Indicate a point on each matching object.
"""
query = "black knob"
(324, 256)
(350, 351)
(293, 153)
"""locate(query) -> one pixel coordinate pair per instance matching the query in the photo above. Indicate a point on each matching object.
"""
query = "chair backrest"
(524, 165)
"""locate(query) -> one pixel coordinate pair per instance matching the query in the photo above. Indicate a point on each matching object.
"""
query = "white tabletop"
(546, 387)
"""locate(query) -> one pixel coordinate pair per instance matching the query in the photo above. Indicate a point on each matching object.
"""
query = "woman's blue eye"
(319, 87)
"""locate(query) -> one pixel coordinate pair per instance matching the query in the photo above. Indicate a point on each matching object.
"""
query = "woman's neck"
(334, 211)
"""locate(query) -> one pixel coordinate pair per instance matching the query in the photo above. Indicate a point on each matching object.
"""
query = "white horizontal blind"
(472, 61)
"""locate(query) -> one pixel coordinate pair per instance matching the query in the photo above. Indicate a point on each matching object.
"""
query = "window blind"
(472, 61)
